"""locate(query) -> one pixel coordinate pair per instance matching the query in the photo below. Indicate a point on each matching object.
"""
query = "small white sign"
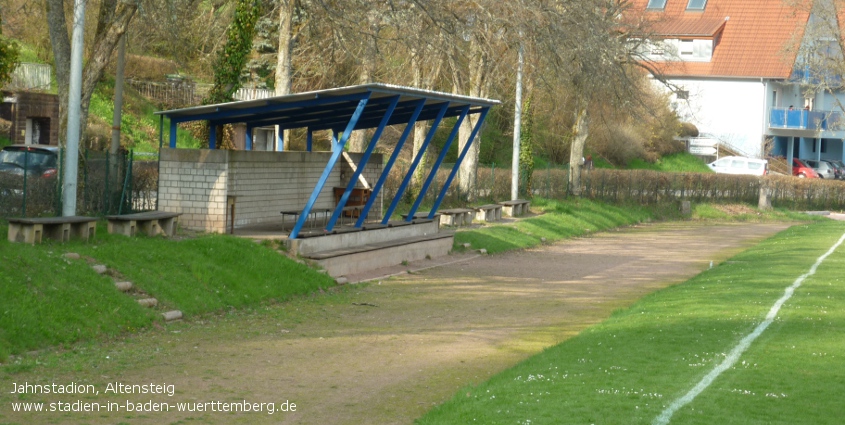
(702, 150)
(704, 142)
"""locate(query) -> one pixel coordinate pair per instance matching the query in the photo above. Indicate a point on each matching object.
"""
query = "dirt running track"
(387, 351)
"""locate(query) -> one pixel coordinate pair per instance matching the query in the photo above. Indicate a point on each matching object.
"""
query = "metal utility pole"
(118, 98)
(69, 187)
(517, 124)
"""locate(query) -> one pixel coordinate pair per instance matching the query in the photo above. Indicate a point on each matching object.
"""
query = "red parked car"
(802, 170)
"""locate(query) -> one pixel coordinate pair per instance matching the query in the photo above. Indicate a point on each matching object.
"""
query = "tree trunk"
(478, 85)
(114, 20)
(357, 142)
(576, 151)
(59, 39)
(284, 68)
(426, 82)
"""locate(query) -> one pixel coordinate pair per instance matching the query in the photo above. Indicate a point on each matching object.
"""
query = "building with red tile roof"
(731, 66)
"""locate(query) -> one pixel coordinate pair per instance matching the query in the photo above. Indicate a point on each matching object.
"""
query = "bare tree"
(112, 21)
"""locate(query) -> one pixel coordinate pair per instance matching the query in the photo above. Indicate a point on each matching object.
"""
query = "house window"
(686, 47)
(682, 94)
(696, 4)
(656, 4)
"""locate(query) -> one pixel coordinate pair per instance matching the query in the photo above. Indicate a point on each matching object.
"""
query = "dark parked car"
(840, 168)
(37, 160)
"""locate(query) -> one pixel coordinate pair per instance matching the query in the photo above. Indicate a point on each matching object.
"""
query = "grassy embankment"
(630, 367)
(47, 300)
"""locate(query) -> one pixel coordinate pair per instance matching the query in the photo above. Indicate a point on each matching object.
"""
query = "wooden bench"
(489, 212)
(515, 208)
(150, 223)
(456, 217)
(31, 230)
(315, 212)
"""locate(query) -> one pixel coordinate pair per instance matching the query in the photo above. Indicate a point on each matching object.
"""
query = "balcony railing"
(804, 119)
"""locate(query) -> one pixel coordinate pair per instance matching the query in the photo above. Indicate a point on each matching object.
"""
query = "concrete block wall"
(200, 183)
(194, 182)
(266, 183)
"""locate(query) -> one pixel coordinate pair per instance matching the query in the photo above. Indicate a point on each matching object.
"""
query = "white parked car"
(740, 165)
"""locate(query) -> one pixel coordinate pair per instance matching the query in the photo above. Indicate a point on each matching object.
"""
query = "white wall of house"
(733, 111)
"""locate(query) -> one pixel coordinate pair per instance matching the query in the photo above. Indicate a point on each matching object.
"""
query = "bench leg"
(125, 228)
(149, 227)
(59, 232)
(27, 233)
(168, 226)
(84, 231)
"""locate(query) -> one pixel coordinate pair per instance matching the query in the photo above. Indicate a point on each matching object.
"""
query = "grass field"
(628, 369)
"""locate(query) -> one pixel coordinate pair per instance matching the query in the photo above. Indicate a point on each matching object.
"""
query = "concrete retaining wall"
(354, 239)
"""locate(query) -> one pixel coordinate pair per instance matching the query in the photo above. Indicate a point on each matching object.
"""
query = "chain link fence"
(105, 185)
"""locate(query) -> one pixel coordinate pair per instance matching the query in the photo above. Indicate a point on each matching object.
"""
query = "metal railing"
(805, 119)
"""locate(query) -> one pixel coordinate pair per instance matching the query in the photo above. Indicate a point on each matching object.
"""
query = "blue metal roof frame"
(346, 109)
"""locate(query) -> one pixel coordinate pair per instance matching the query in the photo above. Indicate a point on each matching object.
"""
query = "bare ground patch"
(387, 351)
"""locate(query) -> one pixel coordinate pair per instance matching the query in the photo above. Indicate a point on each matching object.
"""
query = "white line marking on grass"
(666, 415)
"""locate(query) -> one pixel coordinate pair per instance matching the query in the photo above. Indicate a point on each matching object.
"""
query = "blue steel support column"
(361, 164)
(457, 166)
(334, 139)
(414, 164)
(392, 160)
(280, 140)
(212, 136)
(172, 133)
(303, 216)
(309, 142)
(437, 163)
(248, 142)
(160, 131)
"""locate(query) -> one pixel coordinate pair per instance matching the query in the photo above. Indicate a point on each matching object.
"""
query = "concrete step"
(358, 259)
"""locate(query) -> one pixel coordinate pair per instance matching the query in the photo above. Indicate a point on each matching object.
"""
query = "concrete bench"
(489, 212)
(150, 223)
(421, 215)
(31, 230)
(456, 217)
(515, 208)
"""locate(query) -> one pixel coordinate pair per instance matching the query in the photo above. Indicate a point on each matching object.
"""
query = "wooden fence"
(31, 76)
(186, 94)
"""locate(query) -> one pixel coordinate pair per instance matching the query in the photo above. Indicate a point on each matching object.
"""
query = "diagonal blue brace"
(389, 166)
(361, 164)
(407, 180)
(303, 216)
(437, 163)
(460, 160)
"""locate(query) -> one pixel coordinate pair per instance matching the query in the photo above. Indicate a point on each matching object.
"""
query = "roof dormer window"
(656, 4)
(694, 4)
